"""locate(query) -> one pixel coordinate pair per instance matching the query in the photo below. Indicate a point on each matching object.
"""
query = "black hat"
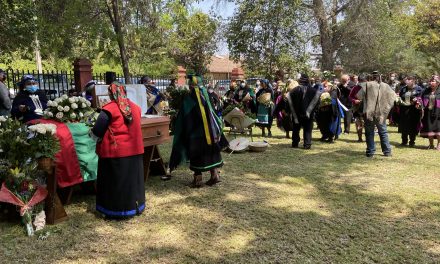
(304, 77)
(145, 79)
(89, 85)
(375, 73)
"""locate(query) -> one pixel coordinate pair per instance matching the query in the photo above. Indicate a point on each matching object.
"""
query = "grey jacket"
(378, 100)
(5, 101)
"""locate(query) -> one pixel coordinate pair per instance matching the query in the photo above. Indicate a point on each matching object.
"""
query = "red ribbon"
(8, 197)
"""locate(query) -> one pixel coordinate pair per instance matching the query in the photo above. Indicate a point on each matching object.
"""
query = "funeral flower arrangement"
(325, 99)
(70, 110)
(22, 182)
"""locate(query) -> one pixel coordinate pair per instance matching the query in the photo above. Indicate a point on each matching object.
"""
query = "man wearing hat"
(302, 101)
(378, 99)
(5, 101)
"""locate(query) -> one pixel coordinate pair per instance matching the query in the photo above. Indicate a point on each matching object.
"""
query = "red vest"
(121, 140)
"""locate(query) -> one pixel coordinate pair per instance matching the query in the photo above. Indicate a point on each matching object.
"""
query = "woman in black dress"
(431, 113)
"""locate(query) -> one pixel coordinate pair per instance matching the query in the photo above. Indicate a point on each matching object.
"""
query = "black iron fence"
(54, 83)
(57, 83)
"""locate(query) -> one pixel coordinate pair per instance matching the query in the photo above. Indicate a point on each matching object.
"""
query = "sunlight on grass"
(327, 205)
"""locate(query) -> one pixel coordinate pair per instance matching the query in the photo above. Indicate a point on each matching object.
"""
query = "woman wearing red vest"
(120, 184)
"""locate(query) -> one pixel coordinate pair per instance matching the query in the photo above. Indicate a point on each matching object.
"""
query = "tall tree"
(333, 19)
(266, 36)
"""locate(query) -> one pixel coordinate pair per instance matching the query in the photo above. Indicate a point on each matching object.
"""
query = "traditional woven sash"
(204, 117)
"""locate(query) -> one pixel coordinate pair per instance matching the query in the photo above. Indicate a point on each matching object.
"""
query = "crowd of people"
(367, 100)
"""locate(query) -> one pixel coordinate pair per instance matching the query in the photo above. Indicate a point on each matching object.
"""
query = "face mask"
(392, 78)
(210, 90)
(242, 85)
(257, 83)
(31, 88)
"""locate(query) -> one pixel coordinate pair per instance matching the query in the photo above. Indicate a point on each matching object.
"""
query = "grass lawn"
(330, 204)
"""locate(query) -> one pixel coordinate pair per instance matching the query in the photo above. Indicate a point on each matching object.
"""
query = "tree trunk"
(115, 17)
(325, 32)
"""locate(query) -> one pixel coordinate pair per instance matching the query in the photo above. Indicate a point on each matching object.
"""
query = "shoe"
(360, 140)
(307, 147)
(197, 182)
(369, 155)
(295, 145)
(431, 147)
(323, 139)
(269, 134)
(403, 144)
(412, 144)
(387, 154)
(213, 181)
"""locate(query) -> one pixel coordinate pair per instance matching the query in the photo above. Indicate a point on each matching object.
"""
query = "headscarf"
(118, 93)
(24, 79)
(267, 83)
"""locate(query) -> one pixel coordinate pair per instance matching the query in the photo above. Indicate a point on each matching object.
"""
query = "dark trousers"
(412, 138)
(307, 125)
(348, 115)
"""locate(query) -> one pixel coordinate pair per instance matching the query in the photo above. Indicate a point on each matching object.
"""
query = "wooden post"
(181, 79)
(237, 74)
(82, 69)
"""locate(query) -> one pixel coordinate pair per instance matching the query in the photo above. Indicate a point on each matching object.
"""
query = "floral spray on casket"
(22, 184)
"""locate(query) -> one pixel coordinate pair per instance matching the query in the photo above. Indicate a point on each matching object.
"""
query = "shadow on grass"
(281, 206)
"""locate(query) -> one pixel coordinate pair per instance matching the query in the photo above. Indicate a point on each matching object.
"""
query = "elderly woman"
(198, 135)
(30, 100)
(265, 98)
(431, 113)
(120, 184)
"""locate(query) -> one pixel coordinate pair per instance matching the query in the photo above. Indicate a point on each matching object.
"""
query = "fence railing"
(54, 83)
(57, 83)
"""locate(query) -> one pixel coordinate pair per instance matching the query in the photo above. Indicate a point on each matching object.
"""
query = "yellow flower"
(15, 171)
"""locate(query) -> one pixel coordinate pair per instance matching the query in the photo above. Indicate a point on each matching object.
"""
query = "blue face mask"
(31, 88)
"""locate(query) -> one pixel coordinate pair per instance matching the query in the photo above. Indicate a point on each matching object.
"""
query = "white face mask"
(210, 90)
(242, 85)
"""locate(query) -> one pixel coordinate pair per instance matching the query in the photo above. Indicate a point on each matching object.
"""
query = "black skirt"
(120, 186)
(431, 123)
(409, 120)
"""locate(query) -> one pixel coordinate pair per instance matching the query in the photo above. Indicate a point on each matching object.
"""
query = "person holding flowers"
(265, 99)
(410, 111)
(431, 113)
(120, 183)
(302, 101)
(30, 101)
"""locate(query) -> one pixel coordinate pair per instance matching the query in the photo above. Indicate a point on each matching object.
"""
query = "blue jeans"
(383, 134)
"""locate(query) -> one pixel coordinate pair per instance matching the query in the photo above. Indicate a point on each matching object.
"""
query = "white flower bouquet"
(325, 99)
(70, 110)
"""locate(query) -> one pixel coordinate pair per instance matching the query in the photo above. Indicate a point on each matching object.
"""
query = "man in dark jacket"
(30, 101)
(302, 101)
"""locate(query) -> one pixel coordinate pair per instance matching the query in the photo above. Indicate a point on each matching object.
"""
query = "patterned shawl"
(118, 93)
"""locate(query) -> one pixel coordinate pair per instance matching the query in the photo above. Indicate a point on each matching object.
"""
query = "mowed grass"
(330, 204)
